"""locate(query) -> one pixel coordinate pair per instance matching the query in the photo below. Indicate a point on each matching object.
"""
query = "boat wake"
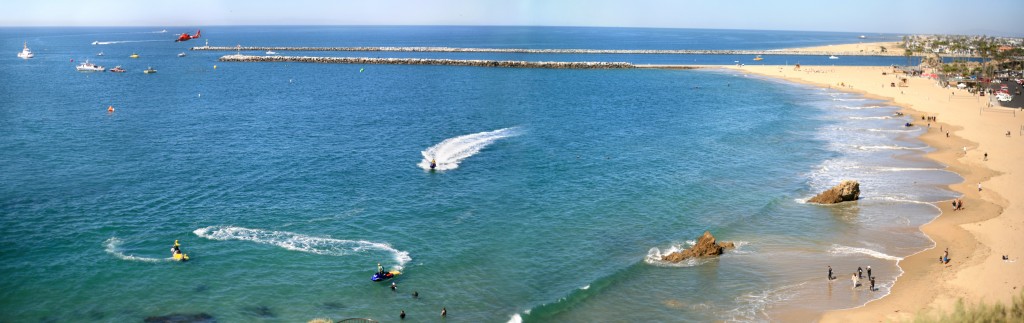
(839, 250)
(122, 41)
(303, 243)
(113, 247)
(450, 152)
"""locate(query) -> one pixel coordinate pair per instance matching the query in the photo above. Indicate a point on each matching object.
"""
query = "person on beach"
(872, 280)
(830, 277)
(954, 205)
(945, 256)
(985, 159)
(854, 280)
(860, 272)
(947, 134)
(869, 274)
(979, 186)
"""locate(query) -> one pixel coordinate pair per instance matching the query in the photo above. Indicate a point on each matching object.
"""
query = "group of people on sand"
(856, 277)
(958, 204)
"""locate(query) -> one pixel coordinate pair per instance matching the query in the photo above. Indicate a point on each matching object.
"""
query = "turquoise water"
(287, 183)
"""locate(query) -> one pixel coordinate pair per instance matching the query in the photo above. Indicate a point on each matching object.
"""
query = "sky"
(990, 17)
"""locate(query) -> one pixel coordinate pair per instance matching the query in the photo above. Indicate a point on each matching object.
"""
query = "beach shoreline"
(978, 236)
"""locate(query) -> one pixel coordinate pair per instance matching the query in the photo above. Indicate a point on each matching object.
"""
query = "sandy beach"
(977, 237)
(874, 48)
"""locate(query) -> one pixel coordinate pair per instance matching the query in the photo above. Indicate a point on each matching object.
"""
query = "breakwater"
(425, 61)
(544, 50)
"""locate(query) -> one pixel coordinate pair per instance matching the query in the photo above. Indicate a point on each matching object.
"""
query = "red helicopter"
(186, 36)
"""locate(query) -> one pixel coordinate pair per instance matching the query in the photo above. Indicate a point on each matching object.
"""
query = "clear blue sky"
(992, 17)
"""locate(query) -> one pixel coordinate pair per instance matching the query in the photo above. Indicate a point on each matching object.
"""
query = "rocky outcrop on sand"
(846, 191)
(705, 246)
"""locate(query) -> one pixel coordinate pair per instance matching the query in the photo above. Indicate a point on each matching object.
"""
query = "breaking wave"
(303, 243)
(450, 152)
(839, 250)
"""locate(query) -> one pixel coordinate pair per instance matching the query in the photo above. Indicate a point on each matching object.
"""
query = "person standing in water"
(830, 277)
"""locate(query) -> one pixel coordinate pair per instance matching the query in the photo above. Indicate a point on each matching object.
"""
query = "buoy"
(215, 67)
(110, 109)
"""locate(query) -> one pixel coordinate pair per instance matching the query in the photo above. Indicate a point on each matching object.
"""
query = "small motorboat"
(182, 54)
(134, 55)
(89, 67)
(95, 42)
(758, 58)
(833, 57)
(26, 53)
(377, 277)
(149, 70)
(117, 69)
(270, 52)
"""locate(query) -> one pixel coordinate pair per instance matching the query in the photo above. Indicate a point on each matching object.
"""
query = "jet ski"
(377, 277)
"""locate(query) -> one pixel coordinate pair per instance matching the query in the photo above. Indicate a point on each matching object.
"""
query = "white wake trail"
(121, 41)
(450, 152)
(113, 247)
(303, 243)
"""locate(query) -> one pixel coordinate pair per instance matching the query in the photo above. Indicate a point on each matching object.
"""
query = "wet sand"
(992, 220)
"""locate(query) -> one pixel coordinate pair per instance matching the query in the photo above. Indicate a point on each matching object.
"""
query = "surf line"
(447, 154)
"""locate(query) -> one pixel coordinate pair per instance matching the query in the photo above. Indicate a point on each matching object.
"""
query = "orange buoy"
(110, 109)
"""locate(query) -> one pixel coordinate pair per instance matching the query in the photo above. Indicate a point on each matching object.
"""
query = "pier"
(546, 51)
(426, 61)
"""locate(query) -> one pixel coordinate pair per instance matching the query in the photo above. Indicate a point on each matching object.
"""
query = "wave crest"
(840, 250)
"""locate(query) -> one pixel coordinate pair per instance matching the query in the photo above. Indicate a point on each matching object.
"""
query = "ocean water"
(555, 189)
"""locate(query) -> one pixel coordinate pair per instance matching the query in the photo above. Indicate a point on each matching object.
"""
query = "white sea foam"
(450, 152)
(842, 99)
(303, 243)
(892, 130)
(752, 305)
(585, 287)
(840, 250)
(871, 118)
(516, 318)
(887, 147)
(113, 247)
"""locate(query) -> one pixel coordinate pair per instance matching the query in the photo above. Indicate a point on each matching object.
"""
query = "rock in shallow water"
(705, 246)
(846, 191)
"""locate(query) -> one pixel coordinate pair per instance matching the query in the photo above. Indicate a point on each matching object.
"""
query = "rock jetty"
(846, 191)
(425, 61)
(705, 246)
(544, 50)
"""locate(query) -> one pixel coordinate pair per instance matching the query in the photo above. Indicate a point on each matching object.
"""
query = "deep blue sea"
(554, 195)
